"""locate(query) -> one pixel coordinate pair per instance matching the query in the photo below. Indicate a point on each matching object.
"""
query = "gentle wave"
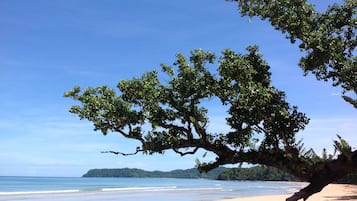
(152, 189)
(122, 189)
(39, 192)
(140, 188)
(129, 189)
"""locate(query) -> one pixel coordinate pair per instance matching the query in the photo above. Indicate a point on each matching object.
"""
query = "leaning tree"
(170, 114)
(262, 124)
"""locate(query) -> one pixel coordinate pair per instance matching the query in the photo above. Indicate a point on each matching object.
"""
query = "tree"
(262, 124)
(328, 38)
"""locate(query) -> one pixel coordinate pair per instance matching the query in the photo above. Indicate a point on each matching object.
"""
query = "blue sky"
(47, 47)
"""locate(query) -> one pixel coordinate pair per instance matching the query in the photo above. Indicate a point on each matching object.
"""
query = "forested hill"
(128, 172)
(261, 173)
(254, 173)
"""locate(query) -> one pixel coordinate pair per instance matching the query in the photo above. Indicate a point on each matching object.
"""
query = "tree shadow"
(347, 197)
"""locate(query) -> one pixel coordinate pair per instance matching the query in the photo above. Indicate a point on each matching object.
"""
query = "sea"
(135, 189)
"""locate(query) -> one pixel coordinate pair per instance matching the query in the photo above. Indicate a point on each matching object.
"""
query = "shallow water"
(130, 189)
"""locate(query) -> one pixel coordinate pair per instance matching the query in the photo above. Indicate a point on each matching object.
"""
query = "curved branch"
(200, 130)
(175, 127)
(131, 135)
(138, 149)
(210, 166)
(186, 153)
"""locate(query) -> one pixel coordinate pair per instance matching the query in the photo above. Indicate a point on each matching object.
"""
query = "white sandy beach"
(332, 192)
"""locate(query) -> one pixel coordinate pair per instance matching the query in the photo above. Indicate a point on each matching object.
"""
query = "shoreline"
(129, 189)
(332, 192)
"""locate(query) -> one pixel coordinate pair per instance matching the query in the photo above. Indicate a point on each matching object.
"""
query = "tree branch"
(175, 127)
(200, 130)
(210, 166)
(186, 153)
(131, 134)
(138, 149)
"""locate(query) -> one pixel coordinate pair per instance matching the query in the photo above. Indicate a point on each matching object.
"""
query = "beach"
(158, 189)
(332, 192)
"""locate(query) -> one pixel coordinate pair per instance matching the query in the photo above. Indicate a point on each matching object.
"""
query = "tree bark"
(326, 173)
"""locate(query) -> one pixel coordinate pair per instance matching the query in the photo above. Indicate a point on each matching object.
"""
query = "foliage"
(262, 124)
(261, 173)
(342, 146)
(257, 173)
(328, 38)
(132, 172)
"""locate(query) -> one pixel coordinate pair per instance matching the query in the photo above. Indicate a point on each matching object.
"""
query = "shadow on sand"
(347, 197)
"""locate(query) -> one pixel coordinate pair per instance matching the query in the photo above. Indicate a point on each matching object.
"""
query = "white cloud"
(335, 94)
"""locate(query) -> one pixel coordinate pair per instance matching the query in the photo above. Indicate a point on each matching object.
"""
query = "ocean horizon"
(130, 189)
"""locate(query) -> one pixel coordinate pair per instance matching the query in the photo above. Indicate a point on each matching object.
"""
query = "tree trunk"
(312, 188)
(327, 173)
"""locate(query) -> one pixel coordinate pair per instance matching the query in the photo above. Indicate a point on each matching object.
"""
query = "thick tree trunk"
(312, 188)
(327, 173)
(319, 175)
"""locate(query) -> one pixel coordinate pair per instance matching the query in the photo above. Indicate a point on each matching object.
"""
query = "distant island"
(133, 172)
(257, 173)
(261, 173)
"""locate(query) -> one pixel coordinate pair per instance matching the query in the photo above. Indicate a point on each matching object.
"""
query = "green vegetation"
(328, 38)
(262, 124)
(261, 173)
(258, 173)
(128, 172)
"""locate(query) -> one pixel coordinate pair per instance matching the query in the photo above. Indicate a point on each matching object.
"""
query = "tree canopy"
(262, 124)
(328, 38)
(260, 119)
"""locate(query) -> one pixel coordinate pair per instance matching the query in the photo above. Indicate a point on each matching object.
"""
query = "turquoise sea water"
(133, 189)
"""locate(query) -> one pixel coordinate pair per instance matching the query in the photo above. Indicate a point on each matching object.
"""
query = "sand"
(332, 192)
